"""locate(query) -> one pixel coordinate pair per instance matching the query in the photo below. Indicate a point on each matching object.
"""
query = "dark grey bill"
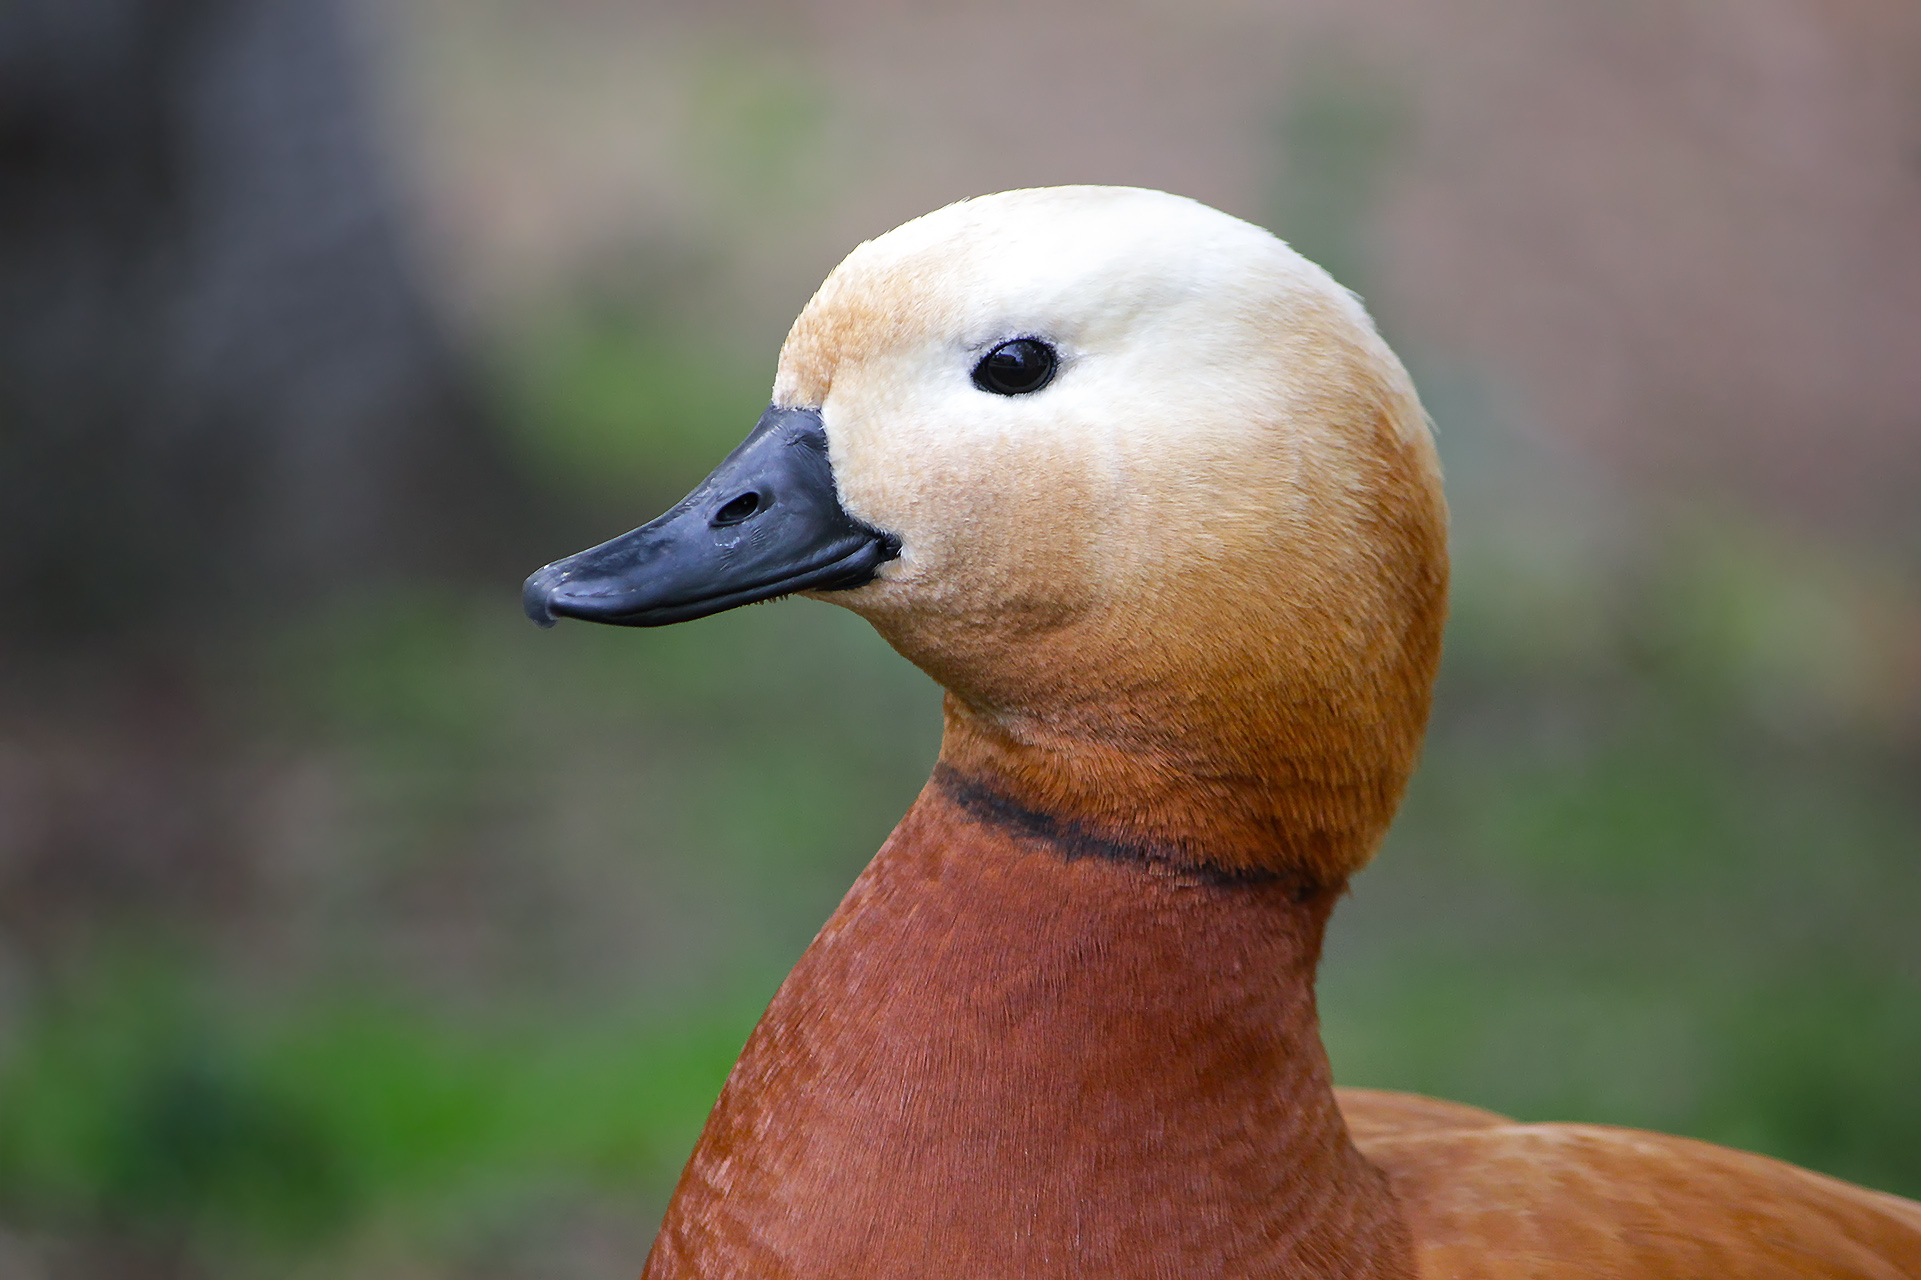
(766, 523)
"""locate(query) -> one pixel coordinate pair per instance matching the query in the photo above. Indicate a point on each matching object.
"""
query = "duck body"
(1505, 1201)
(913, 1104)
(1001, 1061)
(1148, 495)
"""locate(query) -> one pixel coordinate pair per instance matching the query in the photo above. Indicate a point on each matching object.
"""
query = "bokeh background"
(351, 926)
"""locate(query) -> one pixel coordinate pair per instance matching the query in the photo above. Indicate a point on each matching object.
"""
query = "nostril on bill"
(738, 509)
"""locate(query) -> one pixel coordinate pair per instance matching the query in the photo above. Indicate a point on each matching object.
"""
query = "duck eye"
(738, 509)
(1017, 367)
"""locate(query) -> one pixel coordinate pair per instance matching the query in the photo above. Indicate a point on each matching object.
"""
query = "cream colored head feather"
(1204, 565)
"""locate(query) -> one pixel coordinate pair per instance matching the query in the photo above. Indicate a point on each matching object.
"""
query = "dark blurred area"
(348, 925)
(224, 391)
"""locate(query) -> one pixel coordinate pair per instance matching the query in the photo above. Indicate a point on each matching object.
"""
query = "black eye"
(1016, 368)
(738, 509)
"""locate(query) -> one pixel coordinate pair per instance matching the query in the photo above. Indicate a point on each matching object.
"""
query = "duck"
(1148, 495)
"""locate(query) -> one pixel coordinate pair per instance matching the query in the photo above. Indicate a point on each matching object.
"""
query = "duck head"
(1140, 486)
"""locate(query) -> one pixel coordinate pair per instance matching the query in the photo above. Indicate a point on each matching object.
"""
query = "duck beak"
(766, 523)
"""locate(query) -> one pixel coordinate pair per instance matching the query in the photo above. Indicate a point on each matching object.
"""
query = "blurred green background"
(350, 925)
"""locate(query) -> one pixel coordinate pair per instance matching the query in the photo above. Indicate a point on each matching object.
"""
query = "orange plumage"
(1186, 594)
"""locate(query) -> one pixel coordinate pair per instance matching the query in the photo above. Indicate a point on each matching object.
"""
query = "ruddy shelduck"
(1147, 494)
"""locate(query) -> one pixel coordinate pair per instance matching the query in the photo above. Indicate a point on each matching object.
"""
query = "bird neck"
(1019, 1048)
(1249, 783)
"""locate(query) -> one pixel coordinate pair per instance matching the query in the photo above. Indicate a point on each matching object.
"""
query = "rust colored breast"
(1016, 1055)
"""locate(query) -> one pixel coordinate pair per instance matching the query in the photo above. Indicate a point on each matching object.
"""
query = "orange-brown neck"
(1022, 1048)
(1254, 786)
